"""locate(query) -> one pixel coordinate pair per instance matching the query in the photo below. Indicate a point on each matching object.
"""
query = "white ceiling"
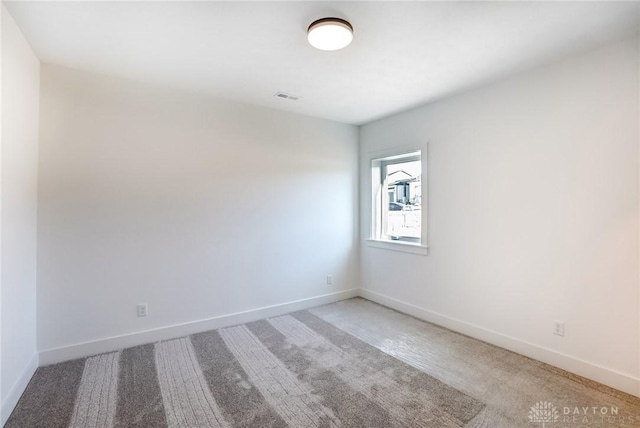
(403, 54)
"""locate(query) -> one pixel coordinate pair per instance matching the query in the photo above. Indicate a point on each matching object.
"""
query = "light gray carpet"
(296, 370)
(508, 383)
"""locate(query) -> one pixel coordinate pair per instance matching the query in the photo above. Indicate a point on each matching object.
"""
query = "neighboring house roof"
(398, 176)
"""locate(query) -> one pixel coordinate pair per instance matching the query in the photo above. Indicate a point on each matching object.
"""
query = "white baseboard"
(604, 375)
(109, 344)
(612, 378)
(18, 388)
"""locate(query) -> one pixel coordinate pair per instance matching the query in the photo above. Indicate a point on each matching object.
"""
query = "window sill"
(405, 247)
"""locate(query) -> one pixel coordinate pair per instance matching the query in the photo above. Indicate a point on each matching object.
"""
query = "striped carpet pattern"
(295, 370)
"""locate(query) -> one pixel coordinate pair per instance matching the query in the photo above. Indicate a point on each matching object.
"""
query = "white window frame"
(379, 197)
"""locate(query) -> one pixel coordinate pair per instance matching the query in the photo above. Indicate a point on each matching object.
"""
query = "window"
(397, 198)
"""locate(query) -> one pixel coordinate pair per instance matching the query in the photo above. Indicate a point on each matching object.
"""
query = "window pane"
(404, 190)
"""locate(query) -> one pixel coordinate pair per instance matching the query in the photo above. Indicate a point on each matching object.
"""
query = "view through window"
(398, 198)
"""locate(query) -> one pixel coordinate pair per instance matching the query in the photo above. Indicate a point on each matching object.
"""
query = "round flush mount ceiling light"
(330, 34)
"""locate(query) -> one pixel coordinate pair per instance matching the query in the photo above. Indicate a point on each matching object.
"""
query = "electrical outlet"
(143, 310)
(329, 279)
(558, 328)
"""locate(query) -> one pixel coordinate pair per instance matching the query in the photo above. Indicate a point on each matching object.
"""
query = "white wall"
(2, 419)
(199, 207)
(20, 99)
(533, 214)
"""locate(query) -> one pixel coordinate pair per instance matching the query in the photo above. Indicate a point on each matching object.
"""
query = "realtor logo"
(543, 413)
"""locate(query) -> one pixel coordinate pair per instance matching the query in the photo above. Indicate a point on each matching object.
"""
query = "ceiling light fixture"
(330, 34)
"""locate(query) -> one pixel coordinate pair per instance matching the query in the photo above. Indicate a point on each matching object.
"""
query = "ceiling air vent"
(286, 96)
